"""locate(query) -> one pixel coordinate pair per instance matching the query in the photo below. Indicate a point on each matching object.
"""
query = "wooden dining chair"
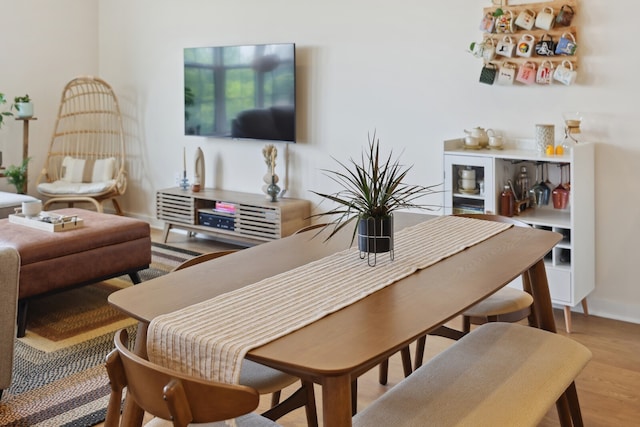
(264, 379)
(168, 395)
(506, 305)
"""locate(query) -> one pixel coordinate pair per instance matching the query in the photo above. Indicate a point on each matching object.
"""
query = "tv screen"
(246, 92)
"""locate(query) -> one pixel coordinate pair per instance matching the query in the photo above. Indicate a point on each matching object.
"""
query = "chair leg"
(354, 397)
(420, 344)
(310, 407)
(384, 372)
(406, 361)
(304, 396)
(275, 398)
(466, 324)
(574, 405)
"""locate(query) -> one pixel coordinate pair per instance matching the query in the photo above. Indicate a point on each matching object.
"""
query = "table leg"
(132, 414)
(336, 401)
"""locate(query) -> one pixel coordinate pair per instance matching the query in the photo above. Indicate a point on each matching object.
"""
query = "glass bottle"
(507, 202)
(522, 184)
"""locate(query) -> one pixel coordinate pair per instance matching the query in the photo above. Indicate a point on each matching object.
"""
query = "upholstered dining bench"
(501, 374)
(105, 246)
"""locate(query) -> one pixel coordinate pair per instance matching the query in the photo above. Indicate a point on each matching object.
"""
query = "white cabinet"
(571, 264)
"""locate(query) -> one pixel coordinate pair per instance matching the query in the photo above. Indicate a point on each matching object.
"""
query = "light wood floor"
(608, 388)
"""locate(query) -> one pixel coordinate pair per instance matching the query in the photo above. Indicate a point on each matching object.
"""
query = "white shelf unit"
(571, 264)
(252, 218)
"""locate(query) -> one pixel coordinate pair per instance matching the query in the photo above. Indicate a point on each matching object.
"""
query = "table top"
(351, 339)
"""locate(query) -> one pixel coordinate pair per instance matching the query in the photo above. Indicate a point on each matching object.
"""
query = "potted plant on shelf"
(24, 106)
(17, 175)
(373, 190)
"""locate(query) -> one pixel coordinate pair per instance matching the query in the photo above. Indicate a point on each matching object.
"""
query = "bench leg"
(574, 405)
(23, 305)
(135, 277)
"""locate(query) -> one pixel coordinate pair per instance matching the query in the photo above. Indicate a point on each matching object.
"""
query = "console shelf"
(241, 218)
(570, 265)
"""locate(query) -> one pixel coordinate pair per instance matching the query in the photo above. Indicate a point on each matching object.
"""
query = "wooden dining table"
(343, 345)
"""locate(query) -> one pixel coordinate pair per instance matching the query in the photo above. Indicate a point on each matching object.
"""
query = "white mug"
(31, 208)
(467, 184)
(545, 18)
(526, 19)
(467, 174)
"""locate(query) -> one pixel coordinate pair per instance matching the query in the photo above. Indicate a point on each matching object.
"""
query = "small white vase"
(25, 110)
(267, 180)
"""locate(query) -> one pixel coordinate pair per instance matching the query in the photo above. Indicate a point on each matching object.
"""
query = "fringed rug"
(59, 377)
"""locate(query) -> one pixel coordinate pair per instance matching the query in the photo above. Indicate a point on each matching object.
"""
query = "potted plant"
(373, 189)
(17, 175)
(24, 106)
(3, 114)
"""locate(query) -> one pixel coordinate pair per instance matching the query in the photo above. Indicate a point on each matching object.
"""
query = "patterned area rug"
(58, 375)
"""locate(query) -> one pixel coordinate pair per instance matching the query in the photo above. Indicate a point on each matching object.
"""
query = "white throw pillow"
(81, 170)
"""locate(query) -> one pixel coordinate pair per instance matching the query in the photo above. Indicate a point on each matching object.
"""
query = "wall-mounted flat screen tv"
(244, 92)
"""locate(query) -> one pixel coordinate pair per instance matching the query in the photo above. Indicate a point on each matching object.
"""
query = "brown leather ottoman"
(106, 246)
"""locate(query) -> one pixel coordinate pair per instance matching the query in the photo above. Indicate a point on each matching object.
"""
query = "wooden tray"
(68, 222)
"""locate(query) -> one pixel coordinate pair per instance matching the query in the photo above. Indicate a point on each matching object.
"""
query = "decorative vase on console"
(270, 178)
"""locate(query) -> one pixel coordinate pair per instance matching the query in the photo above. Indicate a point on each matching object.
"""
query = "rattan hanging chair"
(86, 158)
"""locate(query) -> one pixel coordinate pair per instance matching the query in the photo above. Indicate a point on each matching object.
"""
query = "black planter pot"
(375, 236)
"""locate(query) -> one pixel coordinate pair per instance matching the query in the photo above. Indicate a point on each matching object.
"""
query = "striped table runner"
(209, 339)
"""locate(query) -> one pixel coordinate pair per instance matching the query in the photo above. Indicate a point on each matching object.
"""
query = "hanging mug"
(565, 73)
(566, 45)
(545, 73)
(526, 18)
(546, 46)
(489, 51)
(545, 18)
(506, 74)
(565, 15)
(526, 45)
(527, 73)
(506, 47)
(488, 23)
(488, 73)
(504, 23)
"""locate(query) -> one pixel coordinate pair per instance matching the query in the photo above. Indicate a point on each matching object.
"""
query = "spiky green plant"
(373, 188)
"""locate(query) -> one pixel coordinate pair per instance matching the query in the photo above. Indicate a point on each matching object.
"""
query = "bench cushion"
(501, 374)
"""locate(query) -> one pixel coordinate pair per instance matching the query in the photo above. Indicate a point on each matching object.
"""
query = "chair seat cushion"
(75, 188)
(263, 378)
(506, 300)
(249, 420)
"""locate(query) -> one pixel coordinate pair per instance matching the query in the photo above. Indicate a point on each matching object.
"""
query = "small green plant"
(18, 99)
(3, 114)
(17, 175)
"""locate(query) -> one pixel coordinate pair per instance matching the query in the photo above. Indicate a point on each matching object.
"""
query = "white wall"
(398, 67)
(46, 44)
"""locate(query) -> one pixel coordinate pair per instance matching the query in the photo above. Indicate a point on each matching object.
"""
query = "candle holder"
(184, 183)
(273, 189)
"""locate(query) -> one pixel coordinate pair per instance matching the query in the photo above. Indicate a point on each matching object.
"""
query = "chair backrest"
(496, 218)
(10, 268)
(170, 395)
(88, 127)
(202, 258)
(311, 227)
